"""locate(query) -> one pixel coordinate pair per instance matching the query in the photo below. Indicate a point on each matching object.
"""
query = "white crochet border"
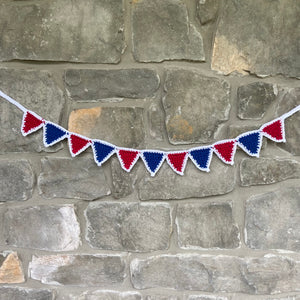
(57, 140)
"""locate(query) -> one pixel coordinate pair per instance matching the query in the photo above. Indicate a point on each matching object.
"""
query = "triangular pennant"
(225, 150)
(102, 151)
(78, 143)
(201, 157)
(274, 130)
(127, 158)
(53, 134)
(31, 122)
(153, 160)
(250, 142)
(177, 161)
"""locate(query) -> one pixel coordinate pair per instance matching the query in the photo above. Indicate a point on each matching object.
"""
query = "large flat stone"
(77, 178)
(268, 170)
(128, 226)
(37, 91)
(195, 106)
(98, 85)
(261, 41)
(170, 35)
(62, 30)
(265, 275)
(10, 268)
(273, 220)
(106, 295)
(22, 293)
(123, 126)
(78, 270)
(16, 180)
(167, 185)
(254, 99)
(52, 228)
(292, 128)
(214, 223)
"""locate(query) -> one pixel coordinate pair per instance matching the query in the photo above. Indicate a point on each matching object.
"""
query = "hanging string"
(12, 101)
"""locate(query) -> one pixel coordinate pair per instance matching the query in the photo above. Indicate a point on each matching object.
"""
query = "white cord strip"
(12, 101)
(291, 112)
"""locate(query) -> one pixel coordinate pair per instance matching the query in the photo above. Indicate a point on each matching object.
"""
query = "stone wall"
(154, 74)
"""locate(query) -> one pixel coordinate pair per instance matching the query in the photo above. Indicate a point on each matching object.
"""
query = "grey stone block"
(206, 226)
(156, 122)
(251, 275)
(161, 31)
(206, 297)
(16, 180)
(22, 293)
(78, 270)
(292, 128)
(52, 228)
(122, 126)
(77, 178)
(161, 297)
(107, 295)
(62, 30)
(98, 85)
(128, 226)
(272, 220)
(272, 49)
(254, 99)
(195, 106)
(207, 10)
(37, 91)
(268, 170)
(167, 185)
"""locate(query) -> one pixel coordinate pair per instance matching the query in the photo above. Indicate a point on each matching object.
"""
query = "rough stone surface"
(80, 270)
(156, 122)
(16, 180)
(123, 126)
(207, 10)
(265, 275)
(106, 295)
(98, 85)
(167, 185)
(205, 297)
(161, 297)
(294, 297)
(272, 49)
(52, 228)
(20, 293)
(37, 91)
(273, 220)
(62, 30)
(254, 99)
(122, 181)
(268, 170)
(170, 35)
(292, 128)
(10, 268)
(195, 106)
(128, 226)
(77, 178)
(214, 223)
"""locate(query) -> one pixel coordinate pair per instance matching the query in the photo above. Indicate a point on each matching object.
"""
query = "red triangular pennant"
(274, 131)
(78, 144)
(128, 158)
(31, 122)
(225, 151)
(177, 161)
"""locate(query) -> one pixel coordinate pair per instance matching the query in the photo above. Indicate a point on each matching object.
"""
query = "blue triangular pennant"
(250, 142)
(53, 133)
(102, 151)
(201, 157)
(153, 160)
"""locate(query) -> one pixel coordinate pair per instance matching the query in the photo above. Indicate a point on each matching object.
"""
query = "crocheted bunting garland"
(225, 150)
(177, 161)
(201, 157)
(102, 151)
(128, 158)
(153, 160)
(31, 122)
(250, 142)
(53, 134)
(78, 143)
(274, 130)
